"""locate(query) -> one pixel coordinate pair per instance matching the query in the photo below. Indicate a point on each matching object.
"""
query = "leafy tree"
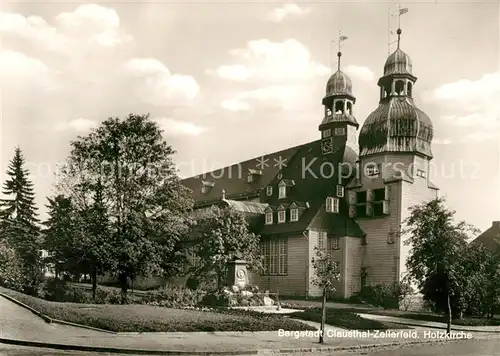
(224, 235)
(19, 221)
(146, 203)
(94, 240)
(60, 230)
(326, 275)
(438, 249)
(11, 274)
(483, 281)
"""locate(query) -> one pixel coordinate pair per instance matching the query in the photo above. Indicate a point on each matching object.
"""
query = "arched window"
(339, 106)
(349, 107)
(409, 88)
(400, 87)
(387, 91)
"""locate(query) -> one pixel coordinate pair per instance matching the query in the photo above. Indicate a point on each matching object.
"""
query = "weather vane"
(400, 11)
(340, 38)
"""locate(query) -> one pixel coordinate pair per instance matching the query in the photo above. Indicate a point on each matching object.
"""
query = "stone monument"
(237, 273)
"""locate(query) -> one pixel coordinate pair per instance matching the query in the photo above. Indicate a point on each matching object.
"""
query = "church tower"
(394, 161)
(339, 126)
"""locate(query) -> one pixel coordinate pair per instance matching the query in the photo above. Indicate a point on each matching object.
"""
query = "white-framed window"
(269, 218)
(281, 216)
(421, 173)
(340, 131)
(250, 178)
(294, 214)
(322, 240)
(204, 189)
(282, 192)
(340, 191)
(327, 133)
(275, 255)
(332, 205)
(334, 243)
(269, 190)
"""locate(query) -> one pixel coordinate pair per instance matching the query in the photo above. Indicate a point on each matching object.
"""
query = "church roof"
(490, 238)
(397, 125)
(233, 178)
(398, 62)
(339, 84)
(308, 191)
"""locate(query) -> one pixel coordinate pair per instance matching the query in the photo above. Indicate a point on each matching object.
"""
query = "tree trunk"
(122, 279)
(323, 317)
(448, 323)
(93, 276)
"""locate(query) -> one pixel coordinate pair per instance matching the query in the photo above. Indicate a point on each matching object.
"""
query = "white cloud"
(265, 60)
(236, 104)
(472, 105)
(361, 73)
(288, 97)
(16, 64)
(173, 127)
(441, 141)
(157, 85)
(87, 24)
(288, 10)
(79, 125)
(236, 72)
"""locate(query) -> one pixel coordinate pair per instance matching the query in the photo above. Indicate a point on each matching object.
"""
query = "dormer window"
(340, 191)
(332, 205)
(327, 133)
(281, 215)
(269, 190)
(294, 214)
(253, 175)
(206, 186)
(282, 187)
(269, 218)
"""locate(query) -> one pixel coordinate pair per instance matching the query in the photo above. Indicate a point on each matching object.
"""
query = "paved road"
(18, 323)
(490, 347)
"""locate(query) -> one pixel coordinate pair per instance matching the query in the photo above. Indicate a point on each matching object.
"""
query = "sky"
(229, 81)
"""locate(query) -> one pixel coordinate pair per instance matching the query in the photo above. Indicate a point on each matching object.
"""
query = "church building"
(348, 191)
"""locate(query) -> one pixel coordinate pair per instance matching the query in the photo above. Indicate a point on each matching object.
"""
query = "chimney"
(496, 224)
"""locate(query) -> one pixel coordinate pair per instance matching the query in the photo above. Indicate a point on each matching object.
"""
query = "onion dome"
(397, 125)
(339, 84)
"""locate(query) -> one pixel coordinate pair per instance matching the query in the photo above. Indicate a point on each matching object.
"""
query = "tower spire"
(340, 39)
(399, 12)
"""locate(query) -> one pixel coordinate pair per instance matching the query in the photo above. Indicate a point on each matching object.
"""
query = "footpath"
(20, 326)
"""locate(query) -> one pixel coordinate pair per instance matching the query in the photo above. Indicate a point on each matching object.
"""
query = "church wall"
(352, 280)
(413, 194)
(378, 256)
(294, 283)
(337, 255)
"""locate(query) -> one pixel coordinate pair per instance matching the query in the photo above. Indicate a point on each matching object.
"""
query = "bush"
(387, 296)
(225, 297)
(106, 296)
(174, 297)
(55, 290)
(193, 283)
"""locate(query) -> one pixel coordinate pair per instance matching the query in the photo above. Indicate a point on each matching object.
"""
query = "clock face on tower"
(326, 146)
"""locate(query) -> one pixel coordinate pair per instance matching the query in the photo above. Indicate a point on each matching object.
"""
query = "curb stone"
(50, 320)
(219, 353)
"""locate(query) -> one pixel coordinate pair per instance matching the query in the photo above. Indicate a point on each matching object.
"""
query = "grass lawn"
(345, 319)
(144, 318)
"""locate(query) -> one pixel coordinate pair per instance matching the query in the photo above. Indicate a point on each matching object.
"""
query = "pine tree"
(19, 220)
